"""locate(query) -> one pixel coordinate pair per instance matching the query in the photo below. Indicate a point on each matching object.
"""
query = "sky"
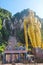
(15, 6)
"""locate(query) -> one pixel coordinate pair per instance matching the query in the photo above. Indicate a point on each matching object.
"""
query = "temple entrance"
(14, 56)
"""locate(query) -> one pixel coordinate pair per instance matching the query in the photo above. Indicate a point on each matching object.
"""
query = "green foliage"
(0, 27)
(0, 31)
(0, 38)
(20, 35)
(4, 13)
(8, 26)
(2, 48)
(0, 24)
(4, 33)
(0, 21)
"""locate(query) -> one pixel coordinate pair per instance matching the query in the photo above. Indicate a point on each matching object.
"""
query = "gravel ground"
(22, 64)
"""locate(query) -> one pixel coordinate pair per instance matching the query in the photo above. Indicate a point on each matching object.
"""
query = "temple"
(13, 54)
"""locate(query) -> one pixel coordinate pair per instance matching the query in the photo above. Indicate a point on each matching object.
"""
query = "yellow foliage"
(19, 44)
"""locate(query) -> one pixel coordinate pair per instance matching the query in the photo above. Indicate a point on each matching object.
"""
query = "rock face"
(14, 24)
(11, 43)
